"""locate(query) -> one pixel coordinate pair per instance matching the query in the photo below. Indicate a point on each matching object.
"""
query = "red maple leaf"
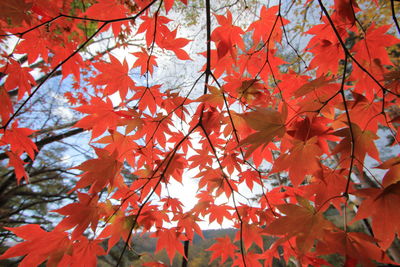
(170, 42)
(170, 240)
(19, 141)
(18, 78)
(149, 27)
(18, 164)
(80, 215)
(145, 61)
(262, 28)
(102, 116)
(223, 248)
(114, 76)
(38, 246)
(227, 36)
(84, 253)
(381, 206)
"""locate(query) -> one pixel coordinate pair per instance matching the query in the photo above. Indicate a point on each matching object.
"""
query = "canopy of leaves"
(276, 116)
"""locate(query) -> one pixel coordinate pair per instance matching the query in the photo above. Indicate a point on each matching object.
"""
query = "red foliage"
(259, 121)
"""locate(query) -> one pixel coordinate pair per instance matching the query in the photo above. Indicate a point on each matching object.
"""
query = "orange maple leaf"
(363, 144)
(119, 227)
(303, 158)
(263, 27)
(268, 123)
(393, 174)
(357, 247)
(100, 172)
(312, 227)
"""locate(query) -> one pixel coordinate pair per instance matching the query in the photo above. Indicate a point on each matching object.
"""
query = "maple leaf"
(149, 25)
(120, 145)
(73, 65)
(80, 215)
(170, 240)
(38, 246)
(224, 248)
(188, 222)
(19, 141)
(312, 226)
(255, 61)
(18, 77)
(34, 45)
(326, 48)
(7, 106)
(172, 203)
(15, 11)
(308, 128)
(251, 233)
(250, 178)
(200, 159)
(84, 253)
(18, 164)
(268, 123)
(102, 116)
(100, 172)
(214, 179)
(114, 76)
(145, 61)
(219, 212)
(312, 85)
(302, 159)
(119, 227)
(374, 45)
(176, 167)
(152, 216)
(169, 3)
(363, 142)
(105, 9)
(227, 36)
(382, 206)
(214, 98)
(262, 28)
(335, 181)
(170, 42)
(346, 9)
(359, 110)
(393, 174)
(252, 259)
(357, 247)
(219, 65)
(149, 98)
